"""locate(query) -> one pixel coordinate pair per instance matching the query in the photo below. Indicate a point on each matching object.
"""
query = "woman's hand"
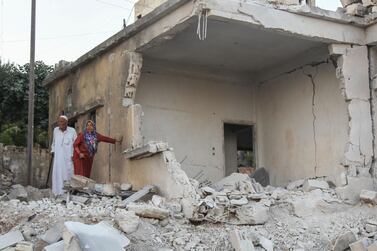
(81, 155)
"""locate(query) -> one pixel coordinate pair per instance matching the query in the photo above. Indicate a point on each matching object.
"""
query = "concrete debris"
(24, 246)
(18, 192)
(239, 242)
(345, 3)
(139, 195)
(58, 246)
(10, 239)
(343, 241)
(281, 219)
(368, 196)
(351, 192)
(252, 214)
(128, 221)
(81, 183)
(310, 185)
(54, 234)
(125, 187)
(96, 237)
(295, 184)
(148, 211)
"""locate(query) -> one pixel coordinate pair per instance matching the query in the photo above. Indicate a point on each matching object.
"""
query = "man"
(62, 150)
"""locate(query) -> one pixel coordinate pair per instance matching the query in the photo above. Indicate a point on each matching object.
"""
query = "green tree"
(14, 81)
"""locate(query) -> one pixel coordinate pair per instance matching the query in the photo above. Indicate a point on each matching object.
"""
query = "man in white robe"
(62, 149)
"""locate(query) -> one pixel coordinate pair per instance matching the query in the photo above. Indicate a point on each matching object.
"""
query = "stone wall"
(13, 159)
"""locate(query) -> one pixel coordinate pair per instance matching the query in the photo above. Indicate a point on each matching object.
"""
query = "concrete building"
(290, 84)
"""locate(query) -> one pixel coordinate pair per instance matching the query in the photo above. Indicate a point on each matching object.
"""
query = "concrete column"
(352, 71)
(134, 138)
(135, 62)
(373, 88)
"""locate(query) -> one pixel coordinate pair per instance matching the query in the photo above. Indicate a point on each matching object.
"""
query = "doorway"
(239, 148)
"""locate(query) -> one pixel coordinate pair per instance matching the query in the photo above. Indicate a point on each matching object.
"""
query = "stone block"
(53, 234)
(239, 242)
(368, 196)
(338, 49)
(58, 246)
(295, 184)
(127, 221)
(356, 9)
(148, 211)
(24, 246)
(351, 192)
(343, 241)
(370, 228)
(10, 239)
(360, 245)
(367, 3)
(253, 214)
(372, 247)
(18, 192)
(348, 2)
(310, 185)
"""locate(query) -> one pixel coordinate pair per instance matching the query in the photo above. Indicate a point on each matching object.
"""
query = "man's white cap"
(63, 117)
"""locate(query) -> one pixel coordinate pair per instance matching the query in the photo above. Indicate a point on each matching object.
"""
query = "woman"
(85, 147)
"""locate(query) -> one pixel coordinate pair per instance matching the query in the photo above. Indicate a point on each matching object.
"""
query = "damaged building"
(193, 86)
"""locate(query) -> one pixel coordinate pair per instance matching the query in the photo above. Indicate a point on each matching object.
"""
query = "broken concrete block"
(267, 244)
(10, 239)
(370, 228)
(239, 242)
(374, 9)
(348, 2)
(96, 237)
(148, 211)
(358, 246)
(356, 9)
(231, 182)
(368, 196)
(208, 190)
(310, 185)
(189, 207)
(157, 200)
(108, 189)
(81, 182)
(125, 187)
(367, 3)
(239, 202)
(24, 246)
(372, 247)
(58, 246)
(79, 199)
(18, 192)
(295, 184)
(174, 206)
(138, 195)
(127, 221)
(70, 241)
(343, 241)
(351, 192)
(53, 234)
(253, 214)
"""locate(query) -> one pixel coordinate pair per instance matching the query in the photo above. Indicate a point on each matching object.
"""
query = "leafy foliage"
(14, 96)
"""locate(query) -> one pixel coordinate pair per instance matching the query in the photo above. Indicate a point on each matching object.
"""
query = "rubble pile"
(359, 7)
(235, 213)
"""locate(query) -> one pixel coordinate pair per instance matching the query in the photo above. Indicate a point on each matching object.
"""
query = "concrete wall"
(189, 110)
(100, 81)
(301, 135)
(14, 159)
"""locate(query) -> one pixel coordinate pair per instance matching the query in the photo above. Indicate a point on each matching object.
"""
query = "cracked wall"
(302, 124)
(373, 92)
(352, 72)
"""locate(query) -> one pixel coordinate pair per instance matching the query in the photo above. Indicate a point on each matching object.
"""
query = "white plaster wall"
(188, 112)
(285, 125)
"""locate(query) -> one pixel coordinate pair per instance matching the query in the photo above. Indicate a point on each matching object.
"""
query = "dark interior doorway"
(239, 147)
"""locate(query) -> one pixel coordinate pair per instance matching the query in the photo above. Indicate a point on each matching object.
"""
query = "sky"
(67, 29)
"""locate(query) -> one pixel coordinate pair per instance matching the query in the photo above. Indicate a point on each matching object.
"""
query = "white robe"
(62, 147)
